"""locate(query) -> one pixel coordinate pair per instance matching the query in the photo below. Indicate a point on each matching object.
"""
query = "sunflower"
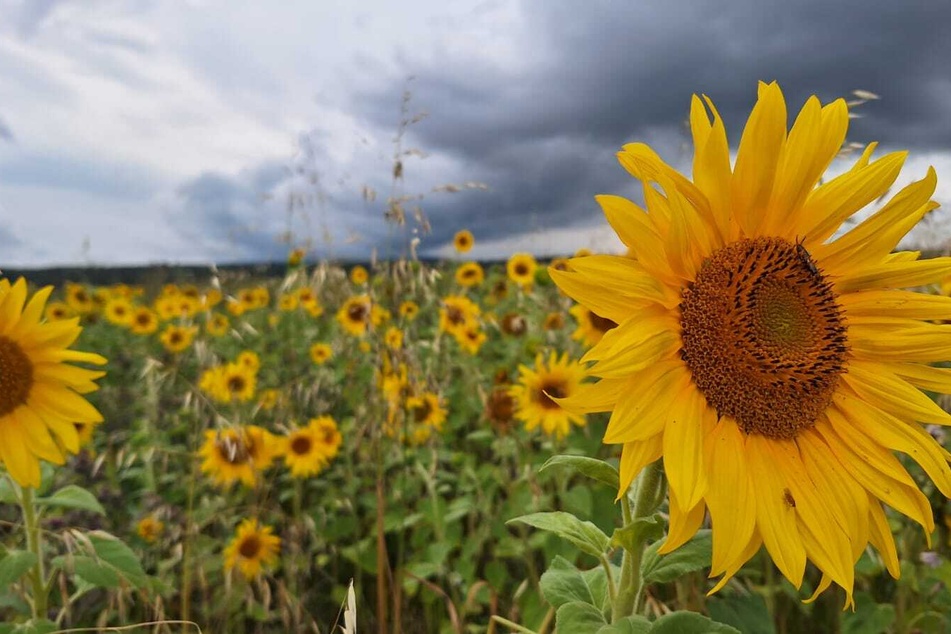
(320, 353)
(40, 393)
(764, 348)
(236, 382)
(457, 314)
(426, 409)
(253, 549)
(177, 338)
(591, 326)
(463, 241)
(537, 389)
(513, 324)
(359, 275)
(238, 454)
(150, 529)
(79, 299)
(471, 338)
(470, 274)
(58, 311)
(521, 269)
(393, 338)
(553, 321)
(217, 325)
(144, 321)
(288, 302)
(308, 450)
(409, 309)
(269, 399)
(356, 314)
(295, 257)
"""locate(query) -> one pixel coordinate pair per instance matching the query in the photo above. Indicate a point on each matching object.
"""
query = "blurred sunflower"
(237, 382)
(149, 529)
(513, 324)
(79, 299)
(320, 353)
(537, 389)
(463, 241)
(553, 321)
(457, 313)
(268, 399)
(471, 339)
(237, 454)
(359, 275)
(217, 325)
(393, 338)
(521, 269)
(288, 302)
(144, 321)
(250, 360)
(763, 346)
(355, 315)
(470, 274)
(591, 327)
(57, 311)
(296, 257)
(253, 549)
(40, 392)
(426, 409)
(307, 450)
(177, 338)
(409, 309)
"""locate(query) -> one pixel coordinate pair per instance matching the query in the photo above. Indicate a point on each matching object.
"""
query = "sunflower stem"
(34, 542)
(646, 499)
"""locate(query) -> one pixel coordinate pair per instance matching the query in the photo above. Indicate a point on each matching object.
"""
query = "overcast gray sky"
(136, 131)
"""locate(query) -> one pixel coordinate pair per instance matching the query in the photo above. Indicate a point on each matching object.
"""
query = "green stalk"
(647, 498)
(34, 541)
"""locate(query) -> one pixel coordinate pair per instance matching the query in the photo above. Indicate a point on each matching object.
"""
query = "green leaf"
(114, 552)
(627, 625)
(73, 497)
(748, 613)
(590, 467)
(694, 555)
(16, 564)
(690, 623)
(562, 583)
(584, 535)
(578, 616)
(633, 536)
(91, 571)
(869, 617)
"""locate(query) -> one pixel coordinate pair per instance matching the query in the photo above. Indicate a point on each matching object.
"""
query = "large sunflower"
(40, 392)
(764, 352)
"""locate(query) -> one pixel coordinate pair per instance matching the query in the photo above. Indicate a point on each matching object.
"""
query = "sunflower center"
(422, 411)
(550, 390)
(250, 547)
(601, 324)
(521, 269)
(301, 445)
(763, 336)
(16, 376)
(357, 312)
(232, 451)
(455, 315)
(236, 384)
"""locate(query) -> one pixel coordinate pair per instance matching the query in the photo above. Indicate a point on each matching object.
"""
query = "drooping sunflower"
(238, 454)
(463, 241)
(591, 326)
(253, 549)
(538, 387)
(40, 392)
(470, 274)
(521, 269)
(765, 349)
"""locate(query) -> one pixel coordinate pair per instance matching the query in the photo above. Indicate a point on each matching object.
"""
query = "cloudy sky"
(137, 131)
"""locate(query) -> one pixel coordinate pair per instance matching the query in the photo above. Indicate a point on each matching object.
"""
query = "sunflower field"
(736, 426)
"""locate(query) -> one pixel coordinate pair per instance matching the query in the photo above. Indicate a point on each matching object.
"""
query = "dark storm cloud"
(542, 133)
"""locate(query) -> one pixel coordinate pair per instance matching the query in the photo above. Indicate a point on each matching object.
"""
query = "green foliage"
(585, 535)
(694, 555)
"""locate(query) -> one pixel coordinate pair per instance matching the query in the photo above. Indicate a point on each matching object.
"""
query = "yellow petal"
(683, 524)
(634, 457)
